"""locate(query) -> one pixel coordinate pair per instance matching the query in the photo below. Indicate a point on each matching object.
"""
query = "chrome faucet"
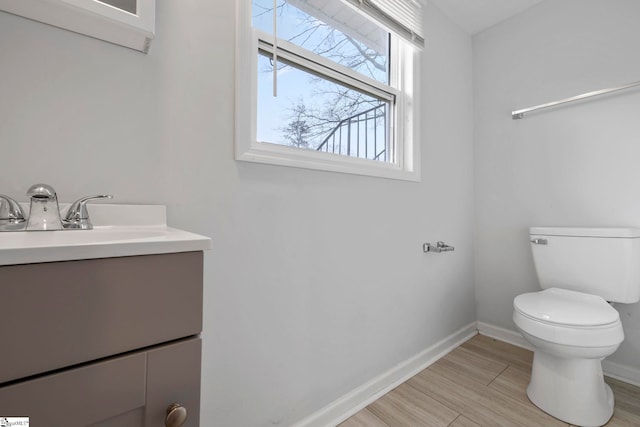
(11, 214)
(44, 211)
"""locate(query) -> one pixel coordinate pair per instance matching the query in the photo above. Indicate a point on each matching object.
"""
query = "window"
(345, 88)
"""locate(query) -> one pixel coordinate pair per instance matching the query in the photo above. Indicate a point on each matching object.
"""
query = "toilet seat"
(568, 317)
(564, 307)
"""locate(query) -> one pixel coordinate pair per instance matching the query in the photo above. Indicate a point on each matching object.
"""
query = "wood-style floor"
(481, 383)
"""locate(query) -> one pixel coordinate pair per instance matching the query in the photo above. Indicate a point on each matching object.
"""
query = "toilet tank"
(599, 261)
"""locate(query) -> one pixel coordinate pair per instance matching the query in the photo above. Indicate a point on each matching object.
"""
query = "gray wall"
(574, 165)
(317, 281)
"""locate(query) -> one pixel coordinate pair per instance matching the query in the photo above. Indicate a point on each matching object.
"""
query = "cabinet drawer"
(65, 313)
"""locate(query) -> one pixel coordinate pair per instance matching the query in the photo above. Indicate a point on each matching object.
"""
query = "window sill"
(307, 159)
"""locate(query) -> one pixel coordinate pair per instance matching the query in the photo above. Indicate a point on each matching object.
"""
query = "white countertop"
(119, 230)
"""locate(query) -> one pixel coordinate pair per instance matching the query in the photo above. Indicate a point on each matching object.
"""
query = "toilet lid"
(565, 307)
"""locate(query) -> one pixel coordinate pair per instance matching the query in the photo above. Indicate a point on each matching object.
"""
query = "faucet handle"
(10, 211)
(77, 215)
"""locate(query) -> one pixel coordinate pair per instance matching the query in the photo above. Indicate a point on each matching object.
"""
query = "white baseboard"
(611, 369)
(502, 334)
(621, 372)
(354, 401)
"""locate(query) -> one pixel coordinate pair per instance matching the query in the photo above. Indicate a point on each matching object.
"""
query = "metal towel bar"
(518, 114)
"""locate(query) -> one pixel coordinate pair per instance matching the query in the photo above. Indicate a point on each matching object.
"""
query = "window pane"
(331, 29)
(317, 114)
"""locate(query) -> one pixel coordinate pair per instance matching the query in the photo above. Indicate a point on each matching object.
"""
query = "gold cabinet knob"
(176, 415)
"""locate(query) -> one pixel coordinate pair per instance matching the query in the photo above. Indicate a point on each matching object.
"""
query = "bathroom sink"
(26, 247)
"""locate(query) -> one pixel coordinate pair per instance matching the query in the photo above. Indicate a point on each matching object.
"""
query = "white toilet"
(570, 323)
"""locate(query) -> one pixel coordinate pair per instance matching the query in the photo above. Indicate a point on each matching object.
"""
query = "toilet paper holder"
(439, 247)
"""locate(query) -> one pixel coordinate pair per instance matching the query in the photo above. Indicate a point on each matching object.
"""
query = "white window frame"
(93, 18)
(404, 127)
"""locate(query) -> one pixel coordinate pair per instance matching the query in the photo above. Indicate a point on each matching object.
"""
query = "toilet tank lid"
(628, 232)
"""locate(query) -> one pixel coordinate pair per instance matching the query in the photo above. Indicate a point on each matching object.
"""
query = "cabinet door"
(133, 418)
(173, 376)
(134, 390)
(79, 397)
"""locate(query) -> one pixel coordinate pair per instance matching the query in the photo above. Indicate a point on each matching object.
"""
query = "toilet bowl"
(571, 333)
(570, 324)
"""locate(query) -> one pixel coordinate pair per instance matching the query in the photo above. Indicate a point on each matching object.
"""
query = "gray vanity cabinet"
(105, 342)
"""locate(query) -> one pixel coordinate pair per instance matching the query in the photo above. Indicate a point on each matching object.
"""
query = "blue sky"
(293, 84)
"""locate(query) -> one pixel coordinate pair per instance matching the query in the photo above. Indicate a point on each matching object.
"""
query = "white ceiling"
(474, 16)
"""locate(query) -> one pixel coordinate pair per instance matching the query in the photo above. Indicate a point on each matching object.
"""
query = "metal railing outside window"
(362, 135)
